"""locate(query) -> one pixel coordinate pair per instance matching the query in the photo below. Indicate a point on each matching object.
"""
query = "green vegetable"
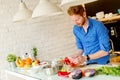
(11, 58)
(34, 52)
(114, 71)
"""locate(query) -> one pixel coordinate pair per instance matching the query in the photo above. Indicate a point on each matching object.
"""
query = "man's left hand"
(78, 60)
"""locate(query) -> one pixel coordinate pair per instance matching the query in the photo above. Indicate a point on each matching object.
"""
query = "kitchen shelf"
(111, 19)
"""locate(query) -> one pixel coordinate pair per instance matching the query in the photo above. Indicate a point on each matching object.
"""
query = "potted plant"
(11, 58)
(35, 52)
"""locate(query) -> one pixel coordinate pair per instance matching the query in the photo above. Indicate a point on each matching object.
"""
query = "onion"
(76, 74)
(90, 72)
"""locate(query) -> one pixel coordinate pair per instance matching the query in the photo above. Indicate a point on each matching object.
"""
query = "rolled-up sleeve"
(78, 42)
(103, 37)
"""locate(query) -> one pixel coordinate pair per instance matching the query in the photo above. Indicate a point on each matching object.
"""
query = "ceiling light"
(23, 12)
(45, 7)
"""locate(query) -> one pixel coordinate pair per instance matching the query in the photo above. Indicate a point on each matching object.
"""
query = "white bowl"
(94, 17)
(34, 69)
(100, 15)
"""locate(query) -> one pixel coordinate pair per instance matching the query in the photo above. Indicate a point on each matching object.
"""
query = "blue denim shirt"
(96, 38)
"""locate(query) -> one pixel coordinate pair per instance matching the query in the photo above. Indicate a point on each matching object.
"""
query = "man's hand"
(77, 59)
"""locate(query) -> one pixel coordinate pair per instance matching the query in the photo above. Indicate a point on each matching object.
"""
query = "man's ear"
(84, 14)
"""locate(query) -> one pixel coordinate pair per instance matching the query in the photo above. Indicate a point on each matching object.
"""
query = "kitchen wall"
(52, 35)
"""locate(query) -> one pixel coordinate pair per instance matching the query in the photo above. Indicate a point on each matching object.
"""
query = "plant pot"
(12, 65)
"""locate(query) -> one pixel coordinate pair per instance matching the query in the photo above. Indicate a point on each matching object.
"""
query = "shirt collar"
(89, 23)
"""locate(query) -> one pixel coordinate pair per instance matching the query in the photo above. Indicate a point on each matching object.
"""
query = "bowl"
(34, 69)
(94, 17)
(100, 15)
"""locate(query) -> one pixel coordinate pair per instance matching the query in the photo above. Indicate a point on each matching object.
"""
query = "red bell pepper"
(63, 74)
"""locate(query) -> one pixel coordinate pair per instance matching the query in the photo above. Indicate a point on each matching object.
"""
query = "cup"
(106, 15)
(118, 11)
(50, 70)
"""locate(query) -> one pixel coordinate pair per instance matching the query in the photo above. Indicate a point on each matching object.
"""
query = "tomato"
(72, 64)
(66, 60)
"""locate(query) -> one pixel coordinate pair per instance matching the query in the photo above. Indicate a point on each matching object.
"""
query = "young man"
(91, 36)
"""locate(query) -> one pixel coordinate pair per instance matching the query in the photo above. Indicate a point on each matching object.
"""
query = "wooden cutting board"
(115, 60)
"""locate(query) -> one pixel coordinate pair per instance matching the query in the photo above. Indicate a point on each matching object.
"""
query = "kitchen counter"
(42, 76)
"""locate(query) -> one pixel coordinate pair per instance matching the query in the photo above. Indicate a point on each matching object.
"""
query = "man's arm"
(98, 54)
(80, 51)
(77, 39)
